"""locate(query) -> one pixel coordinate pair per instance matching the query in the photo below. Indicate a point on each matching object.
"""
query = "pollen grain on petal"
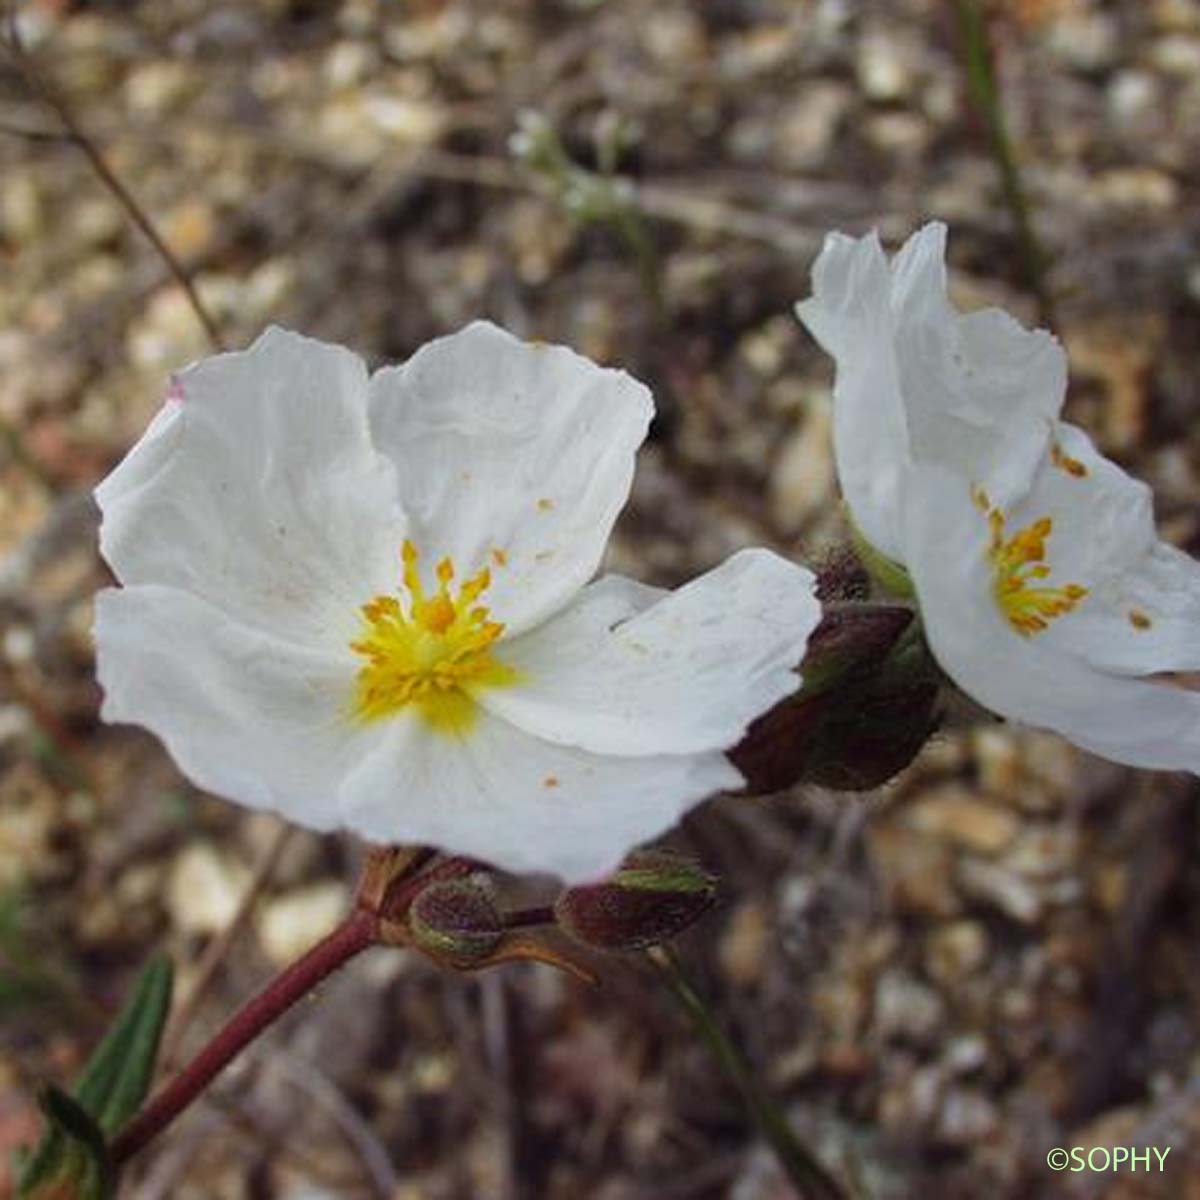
(1064, 462)
(1139, 620)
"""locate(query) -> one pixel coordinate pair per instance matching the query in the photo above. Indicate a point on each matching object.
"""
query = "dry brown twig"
(44, 91)
(325, 1093)
(219, 947)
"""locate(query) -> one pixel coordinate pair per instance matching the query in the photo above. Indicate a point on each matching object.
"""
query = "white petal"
(967, 380)
(245, 715)
(917, 381)
(627, 671)
(523, 804)
(522, 449)
(849, 313)
(1033, 680)
(260, 491)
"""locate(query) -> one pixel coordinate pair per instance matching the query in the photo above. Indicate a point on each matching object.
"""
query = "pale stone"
(154, 87)
(997, 759)
(967, 1116)
(805, 128)
(22, 212)
(743, 945)
(1137, 187)
(1088, 41)
(906, 1008)
(916, 872)
(955, 950)
(803, 478)
(1008, 892)
(204, 889)
(884, 65)
(953, 813)
(290, 923)
(965, 1054)
(1177, 54)
(1043, 851)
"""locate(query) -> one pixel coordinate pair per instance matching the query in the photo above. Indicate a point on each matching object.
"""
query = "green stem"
(985, 96)
(801, 1166)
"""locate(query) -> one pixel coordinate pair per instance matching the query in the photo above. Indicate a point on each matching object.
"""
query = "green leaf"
(117, 1077)
(71, 1161)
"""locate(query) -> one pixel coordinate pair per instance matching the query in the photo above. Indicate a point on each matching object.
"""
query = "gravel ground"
(990, 957)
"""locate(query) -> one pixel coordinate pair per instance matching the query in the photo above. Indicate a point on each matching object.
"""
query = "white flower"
(918, 381)
(1043, 587)
(364, 602)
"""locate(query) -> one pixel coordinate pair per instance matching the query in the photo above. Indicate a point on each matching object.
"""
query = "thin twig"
(799, 1163)
(53, 99)
(327, 1095)
(219, 947)
(498, 1051)
(30, 133)
(985, 96)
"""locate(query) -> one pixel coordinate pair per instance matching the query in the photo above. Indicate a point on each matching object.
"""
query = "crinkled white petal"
(260, 491)
(245, 715)
(631, 671)
(917, 381)
(511, 455)
(849, 313)
(519, 802)
(967, 379)
(1035, 680)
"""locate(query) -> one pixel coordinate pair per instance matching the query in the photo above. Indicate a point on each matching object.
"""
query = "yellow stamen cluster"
(1018, 561)
(434, 655)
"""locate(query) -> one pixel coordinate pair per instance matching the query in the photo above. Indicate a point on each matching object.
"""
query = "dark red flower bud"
(653, 897)
(867, 706)
(455, 922)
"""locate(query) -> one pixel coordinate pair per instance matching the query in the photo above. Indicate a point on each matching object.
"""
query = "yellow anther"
(1018, 561)
(433, 654)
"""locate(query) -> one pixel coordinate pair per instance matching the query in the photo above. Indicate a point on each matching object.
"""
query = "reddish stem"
(355, 934)
(523, 918)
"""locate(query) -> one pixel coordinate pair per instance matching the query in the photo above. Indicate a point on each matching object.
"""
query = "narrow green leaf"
(71, 1160)
(71, 1163)
(117, 1077)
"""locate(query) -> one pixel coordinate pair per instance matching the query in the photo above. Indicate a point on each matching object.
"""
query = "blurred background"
(992, 956)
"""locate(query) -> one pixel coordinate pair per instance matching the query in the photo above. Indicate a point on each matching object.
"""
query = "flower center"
(1017, 563)
(433, 655)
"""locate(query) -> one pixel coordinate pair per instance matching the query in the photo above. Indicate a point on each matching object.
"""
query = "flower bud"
(455, 922)
(851, 638)
(866, 708)
(654, 896)
(841, 575)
